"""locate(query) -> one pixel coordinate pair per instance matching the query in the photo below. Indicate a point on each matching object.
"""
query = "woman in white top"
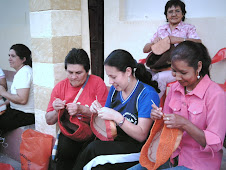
(20, 99)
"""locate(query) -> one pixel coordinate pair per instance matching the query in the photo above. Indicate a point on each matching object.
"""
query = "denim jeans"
(139, 167)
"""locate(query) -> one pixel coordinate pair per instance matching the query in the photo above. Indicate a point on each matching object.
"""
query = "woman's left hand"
(174, 121)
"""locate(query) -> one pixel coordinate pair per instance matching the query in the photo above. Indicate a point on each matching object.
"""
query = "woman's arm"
(177, 40)
(139, 132)
(20, 98)
(3, 83)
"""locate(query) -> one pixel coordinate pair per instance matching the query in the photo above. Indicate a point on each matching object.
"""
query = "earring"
(128, 79)
(198, 77)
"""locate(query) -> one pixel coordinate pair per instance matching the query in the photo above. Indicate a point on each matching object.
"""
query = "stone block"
(42, 97)
(39, 5)
(66, 23)
(44, 5)
(59, 72)
(66, 4)
(43, 74)
(62, 45)
(42, 50)
(41, 124)
(53, 50)
(40, 24)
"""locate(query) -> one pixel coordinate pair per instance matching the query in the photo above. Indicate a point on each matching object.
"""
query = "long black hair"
(122, 59)
(192, 52)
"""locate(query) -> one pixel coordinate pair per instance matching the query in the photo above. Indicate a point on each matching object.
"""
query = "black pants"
(67, 152)
(13, 119)
(106, 148)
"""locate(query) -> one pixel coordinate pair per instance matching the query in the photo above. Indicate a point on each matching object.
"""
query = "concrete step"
(6, 159)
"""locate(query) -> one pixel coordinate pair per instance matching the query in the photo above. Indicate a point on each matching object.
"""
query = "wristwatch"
(121, 122)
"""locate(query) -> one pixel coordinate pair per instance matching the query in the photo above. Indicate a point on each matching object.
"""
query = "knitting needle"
(156, 106)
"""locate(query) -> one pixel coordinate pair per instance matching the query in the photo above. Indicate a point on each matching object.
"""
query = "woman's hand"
(157, 39)
(175, 121)
(73, 109)
(95, 107)
(58, 104)
(156, 112)
(109, 114)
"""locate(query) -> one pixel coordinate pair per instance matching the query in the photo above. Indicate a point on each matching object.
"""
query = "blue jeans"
(178, 168)
(139, 167)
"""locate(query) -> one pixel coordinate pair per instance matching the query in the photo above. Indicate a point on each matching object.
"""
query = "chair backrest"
(219, 56)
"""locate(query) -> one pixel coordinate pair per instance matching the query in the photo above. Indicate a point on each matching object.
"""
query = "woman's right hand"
(58, 104)
(156, 112)
(95, 107)
(157, 39)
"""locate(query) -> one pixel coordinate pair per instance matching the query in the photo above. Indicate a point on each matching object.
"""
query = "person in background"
(129, 106)
(77, 66)
(21, 96)
(178, 31)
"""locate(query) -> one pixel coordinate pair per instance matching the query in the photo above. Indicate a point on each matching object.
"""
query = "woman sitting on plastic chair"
(177, 31)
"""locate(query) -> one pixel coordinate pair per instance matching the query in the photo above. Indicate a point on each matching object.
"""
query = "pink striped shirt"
(205, 107)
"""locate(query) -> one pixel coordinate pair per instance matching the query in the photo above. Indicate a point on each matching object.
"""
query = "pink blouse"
(205, 107)
(183, 30)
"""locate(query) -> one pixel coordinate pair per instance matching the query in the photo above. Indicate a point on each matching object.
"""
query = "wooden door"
(96, 27)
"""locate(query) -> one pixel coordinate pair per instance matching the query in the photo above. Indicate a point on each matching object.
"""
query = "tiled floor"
(17, 166)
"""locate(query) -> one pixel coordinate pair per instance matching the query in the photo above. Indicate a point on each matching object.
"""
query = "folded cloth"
(161, 143)
(159, 58)
(105, 130)
(161, 46)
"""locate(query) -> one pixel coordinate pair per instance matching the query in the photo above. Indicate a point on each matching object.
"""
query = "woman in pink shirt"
(178, 31)
(197, 106)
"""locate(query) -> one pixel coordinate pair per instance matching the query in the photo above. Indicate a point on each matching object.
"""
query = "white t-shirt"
(23, 79)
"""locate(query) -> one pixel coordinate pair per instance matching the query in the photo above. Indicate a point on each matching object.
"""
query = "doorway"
(96, 28)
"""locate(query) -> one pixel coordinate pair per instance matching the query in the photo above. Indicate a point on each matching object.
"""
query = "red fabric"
(83, 132)
(6, 166)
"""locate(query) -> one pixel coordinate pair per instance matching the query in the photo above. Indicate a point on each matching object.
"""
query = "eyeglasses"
(171, 12)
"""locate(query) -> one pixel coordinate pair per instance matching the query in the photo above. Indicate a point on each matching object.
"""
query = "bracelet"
(121, 123)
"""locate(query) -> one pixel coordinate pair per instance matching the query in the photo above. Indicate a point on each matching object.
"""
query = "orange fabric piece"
(161, 143)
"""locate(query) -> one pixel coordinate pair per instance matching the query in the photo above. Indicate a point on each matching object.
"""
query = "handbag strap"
(81, 90)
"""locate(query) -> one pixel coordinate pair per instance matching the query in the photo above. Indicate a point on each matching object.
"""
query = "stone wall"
(55, 28)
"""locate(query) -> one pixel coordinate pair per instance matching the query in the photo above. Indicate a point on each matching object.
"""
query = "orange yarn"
(161, 143)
